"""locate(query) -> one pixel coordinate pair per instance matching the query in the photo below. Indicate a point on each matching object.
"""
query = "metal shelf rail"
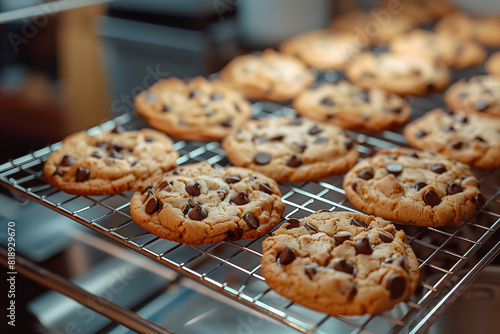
(233, 268)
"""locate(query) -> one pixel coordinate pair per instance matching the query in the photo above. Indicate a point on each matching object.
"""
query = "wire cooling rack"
(233, 268)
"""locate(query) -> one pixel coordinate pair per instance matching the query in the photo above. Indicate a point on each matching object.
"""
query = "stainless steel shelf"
(233, 268)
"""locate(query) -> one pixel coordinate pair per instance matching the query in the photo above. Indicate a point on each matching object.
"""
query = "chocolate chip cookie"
(269, 75)
(324, 49)
(469, 138)
(110, 162)
(346, 105)
(449, 49)
(371, 28)
(423, 11)
(413, 187)
(398, 73)
(199, 109)
(479, 28)
(493, 64)
(291, 149)
(479, 94)
(202, 204)
(341, 263)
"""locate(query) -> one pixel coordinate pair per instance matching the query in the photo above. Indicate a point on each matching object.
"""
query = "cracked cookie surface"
(201, 204)
(291, 149)
(110, 162)
(341, 263)
(346, 105)
(413, 187)
(271, 75)
(469, 138)
(199, 109)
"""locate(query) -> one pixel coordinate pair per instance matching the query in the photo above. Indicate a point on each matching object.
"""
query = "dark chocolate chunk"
(186, 210)
(480, 139)
(353, 293)
(152, 206)
(420, 134)
(314, 130)
(438, 168)
(198, 213)
(420, 185)
(277, 138)
(311, 270)
(194, 93)
(320, 140)
(301, 147)
(115, 154)
(292, 223)
(431, 198)
(354, 185)
(480, 200)
(329, 116)
(363, 246)
(227, 123)
(176, 171)
(259, 139)
(394, 169)
(117, 147)
(396, 284)
(216, 96)
(232, 179)
(251, 221)
(345, 266)
(481, 105)
(192, 203)
(364, 96)
(366, 174)
(456, 145)
(396, 110)
(340, 238)
(385, 237)
(163, 185)
(296, 121)
(82, 174)
(310, 227)
(453, 189)
(166, 108)
(193, 188)
(262, 158)
(96, 155)
(413, 155)
(67, 161)
(449, 128)
(286, 256)
(234, 234)
(463, 119)
(240, 199)
(294, 161)
(358, 223)
(58, 172)
(327, 102)
(349, 143)
(265, 188)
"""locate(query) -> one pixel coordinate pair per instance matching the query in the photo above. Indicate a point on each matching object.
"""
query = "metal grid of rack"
(233, 268)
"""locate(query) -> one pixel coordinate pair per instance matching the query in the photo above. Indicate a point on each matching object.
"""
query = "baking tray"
(233, 268)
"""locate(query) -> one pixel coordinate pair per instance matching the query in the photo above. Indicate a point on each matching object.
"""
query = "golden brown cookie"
(423, 11)
(340, 263)
(493, 64)
(199, 109)
(110, 162)
(478, 28)
(202, 204)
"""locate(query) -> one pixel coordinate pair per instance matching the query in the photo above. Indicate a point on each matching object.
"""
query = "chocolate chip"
(240, 199)
(431, 198)
(237, 107)
(292, 223)
(340, 238)
(227, 123)
(277, 138)
(152, 206)
(320, 140)
(413, 155)
(354, 185)
(232, 179)
(481, 105)
(364, 96)
(358, 223)
(385, 237)
(348, 143)
(480, 200)
(420, 134)
(296, 121)
(366, 174)
(438, 168)
(363, 246)
(315, 130)
(82, 174)
(420, 185)
(327, 102)
(193, 188)
(216, 96)
(396, 284)
(251, 221)
(67, 161)
(286, 256)
(344, 266)
(449, 129)
(301, 147)
(262, 158)
(294, 161)
(480, 139)
(353, 293)
(166, 108)
(163, 185)
(117, 147)
(96, 155)
(58, 172)
(394, 169)
(265, 188)
(259, 139)
(192, 203)
(194, 93)
(463, 119)
(310, 227)
(396, 110)
(118, 129)
(176, 171)
(462, 95)
(186, 210)
(198, 213)
(329, 116)
(311, 270)
(453, 189)
(456, 145)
